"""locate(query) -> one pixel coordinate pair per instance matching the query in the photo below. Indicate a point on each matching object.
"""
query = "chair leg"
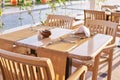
(95, 68)
(82, 77)
(110, 65)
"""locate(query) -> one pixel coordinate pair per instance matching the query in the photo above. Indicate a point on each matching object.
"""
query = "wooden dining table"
(62, 40)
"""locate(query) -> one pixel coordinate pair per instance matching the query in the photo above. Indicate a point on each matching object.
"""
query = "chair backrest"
(115, 17)
(108, 6)
(60, 63)
(59, 21)
(94, 15)
(102, 26)
(22, 67)
(58, 59)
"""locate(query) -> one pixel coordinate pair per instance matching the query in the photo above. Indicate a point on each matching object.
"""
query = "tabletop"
(63, 40)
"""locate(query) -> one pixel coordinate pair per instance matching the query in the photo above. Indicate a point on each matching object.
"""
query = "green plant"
(53, 4)
(28, 7)
(21, 7)
(1, 23)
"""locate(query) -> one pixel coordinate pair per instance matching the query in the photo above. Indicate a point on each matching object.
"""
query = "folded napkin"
(83, 29)
(106, 9)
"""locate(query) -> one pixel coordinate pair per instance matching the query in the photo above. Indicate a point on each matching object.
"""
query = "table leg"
(95, 68)
(110, 64)
(68, 67)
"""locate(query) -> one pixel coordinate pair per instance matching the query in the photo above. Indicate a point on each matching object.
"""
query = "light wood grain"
(94, 15)
(60, 21)
(17, 66)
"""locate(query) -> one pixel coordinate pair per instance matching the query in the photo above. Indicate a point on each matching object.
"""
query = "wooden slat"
(60, 21)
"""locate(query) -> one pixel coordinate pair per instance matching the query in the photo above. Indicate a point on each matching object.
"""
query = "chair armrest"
(77, 73)
(73, 56)
(111, 46)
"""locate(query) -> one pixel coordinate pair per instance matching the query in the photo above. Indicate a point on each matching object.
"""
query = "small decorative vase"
(46, 33)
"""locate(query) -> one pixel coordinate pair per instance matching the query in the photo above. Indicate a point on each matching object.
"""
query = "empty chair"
(94, 15)
(22, 67)
(104, 27)
(59, 21)
(110, 7)
(115, 17)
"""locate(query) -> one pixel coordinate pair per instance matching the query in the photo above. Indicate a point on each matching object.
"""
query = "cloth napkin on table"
(83, 29)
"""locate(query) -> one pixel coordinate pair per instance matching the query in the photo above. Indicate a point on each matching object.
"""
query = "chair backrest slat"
(59, 21)
(94, 15)
(102, 26)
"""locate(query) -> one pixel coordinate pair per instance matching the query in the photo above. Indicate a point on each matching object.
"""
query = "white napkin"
(83, 29)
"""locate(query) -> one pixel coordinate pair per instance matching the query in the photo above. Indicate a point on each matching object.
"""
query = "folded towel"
(83, 29)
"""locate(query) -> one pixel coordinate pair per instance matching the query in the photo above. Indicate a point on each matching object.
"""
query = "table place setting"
(61, 39)
(81, 33)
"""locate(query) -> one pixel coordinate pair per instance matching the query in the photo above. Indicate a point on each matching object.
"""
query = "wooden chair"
(22, 67)
(94, 15)
(111, 7)
(104, 27)
(59, 21)
(115, 17)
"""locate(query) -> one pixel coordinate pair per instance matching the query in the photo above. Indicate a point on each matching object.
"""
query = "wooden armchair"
(115, 17)
(94, 15)
(104, 27)
(59, 21)
(60, 63)
(22, 67)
